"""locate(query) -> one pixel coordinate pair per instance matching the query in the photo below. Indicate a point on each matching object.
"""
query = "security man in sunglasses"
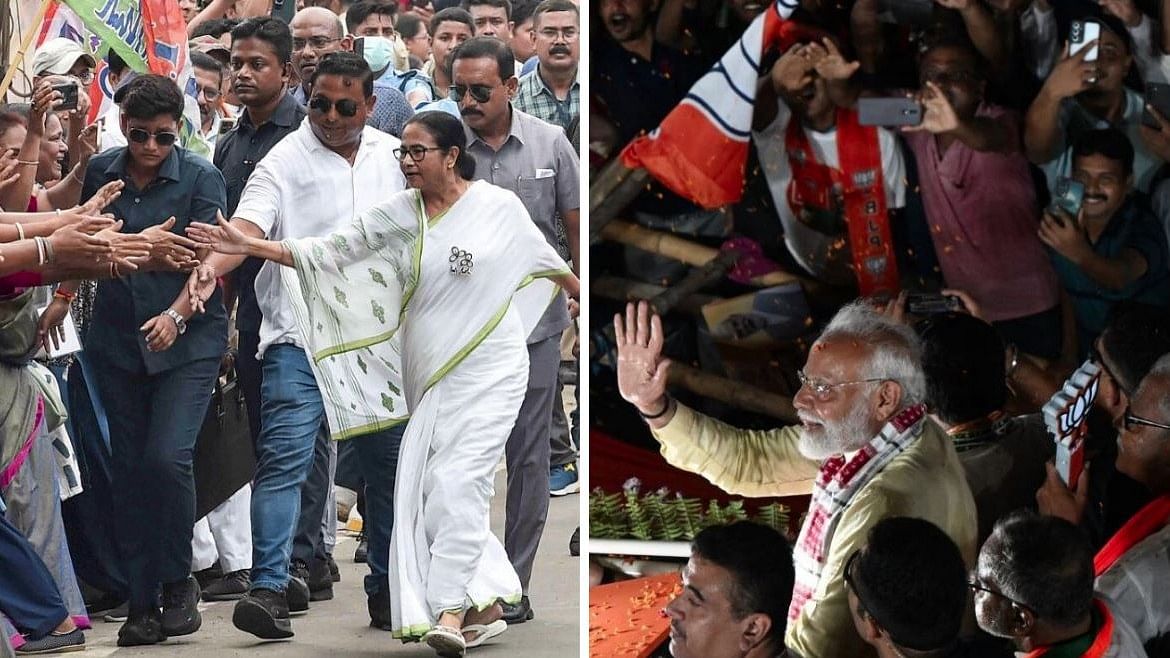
(534, 160)
(155, 361)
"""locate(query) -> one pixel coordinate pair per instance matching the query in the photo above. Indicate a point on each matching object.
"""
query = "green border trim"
(370, 428)
(353, 345)
(415, 633)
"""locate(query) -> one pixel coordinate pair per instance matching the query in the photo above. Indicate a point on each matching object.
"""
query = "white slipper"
(446, 641)
(484, 632)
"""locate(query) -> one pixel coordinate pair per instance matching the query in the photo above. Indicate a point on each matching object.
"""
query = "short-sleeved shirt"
(303, 189)
(989, 250)
(236, 156)
(534, 97)
(537, 164)
(407, 82)
(1076, 120)
(191, 189)
(391, 111)
(638, 94)
(1132, 227)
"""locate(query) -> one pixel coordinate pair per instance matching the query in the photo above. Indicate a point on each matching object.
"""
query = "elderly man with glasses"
(1034, 585)
(865, 447)
(1131, 568)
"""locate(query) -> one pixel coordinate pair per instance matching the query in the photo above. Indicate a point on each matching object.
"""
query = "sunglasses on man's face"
(481, 93)
(140, 136)
(346, 107)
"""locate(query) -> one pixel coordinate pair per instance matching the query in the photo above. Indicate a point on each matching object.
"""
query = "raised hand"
(170, 249)
(105, 195)
(641, 367)
(126, 247)
(221, 237)
(1072, 75)
(74, 247)
(44, 99)
(1157, 140)
(793, 71)
(200, 286)
(87, 141)
(938, 116)
(1126, 10)
(829, 63)
(1064, 235)
(1054, 498)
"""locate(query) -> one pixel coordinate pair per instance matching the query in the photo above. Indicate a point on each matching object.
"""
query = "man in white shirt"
(315, 181)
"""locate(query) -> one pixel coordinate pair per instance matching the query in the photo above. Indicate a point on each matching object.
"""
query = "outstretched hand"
(221, 237)
(641, 367)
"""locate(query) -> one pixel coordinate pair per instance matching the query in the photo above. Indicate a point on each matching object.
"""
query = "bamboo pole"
(684, 251)
(738, 394)
(713, 271)
(614, 187)
(624, 290)
(18, 59)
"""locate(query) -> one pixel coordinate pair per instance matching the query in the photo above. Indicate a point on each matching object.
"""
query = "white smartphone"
(1080, 34)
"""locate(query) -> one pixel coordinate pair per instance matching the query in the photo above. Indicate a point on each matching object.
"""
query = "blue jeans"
(292, 420)
(377, 457)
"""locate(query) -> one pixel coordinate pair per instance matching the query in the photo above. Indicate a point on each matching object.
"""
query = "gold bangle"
(28, 162)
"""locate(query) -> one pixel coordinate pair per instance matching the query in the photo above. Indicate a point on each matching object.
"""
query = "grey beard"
(837, 438)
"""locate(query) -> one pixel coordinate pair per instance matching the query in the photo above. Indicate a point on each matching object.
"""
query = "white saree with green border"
(465, 288)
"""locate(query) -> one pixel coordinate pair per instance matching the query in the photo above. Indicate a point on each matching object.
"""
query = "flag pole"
(24, 44)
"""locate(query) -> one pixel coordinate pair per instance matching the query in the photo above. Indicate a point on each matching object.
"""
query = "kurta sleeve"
(741, 462)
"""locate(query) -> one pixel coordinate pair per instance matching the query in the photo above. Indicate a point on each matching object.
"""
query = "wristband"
(64, 294)
(660, 414)
(28, 162)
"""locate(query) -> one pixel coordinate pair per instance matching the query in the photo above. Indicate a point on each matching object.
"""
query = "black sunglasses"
(481, 93)
(346, 107)
(140, 136)
(1130, 419)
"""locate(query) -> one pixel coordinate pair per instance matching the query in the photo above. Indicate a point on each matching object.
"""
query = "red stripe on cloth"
(1148, 520)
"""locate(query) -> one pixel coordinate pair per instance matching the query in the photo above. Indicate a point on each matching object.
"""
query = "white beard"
(836, 438)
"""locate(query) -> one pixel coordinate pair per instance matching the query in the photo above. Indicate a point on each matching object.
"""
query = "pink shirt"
(983, 218)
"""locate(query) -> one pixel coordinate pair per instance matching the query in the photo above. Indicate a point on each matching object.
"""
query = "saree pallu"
(31, 442)
(466, 287)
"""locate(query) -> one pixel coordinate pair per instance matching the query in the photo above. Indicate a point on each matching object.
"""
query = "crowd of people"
(933, 474)
(373, 229)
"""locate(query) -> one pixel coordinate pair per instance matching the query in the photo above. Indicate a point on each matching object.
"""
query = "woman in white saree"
(462, 270)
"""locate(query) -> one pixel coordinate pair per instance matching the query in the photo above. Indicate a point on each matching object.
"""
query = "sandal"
(446, 641)
(484, 632)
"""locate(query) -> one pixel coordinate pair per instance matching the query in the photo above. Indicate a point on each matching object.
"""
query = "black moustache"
(559, 50)
(468, 113)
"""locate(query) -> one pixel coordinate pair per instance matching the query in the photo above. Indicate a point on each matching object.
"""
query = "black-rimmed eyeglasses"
(416, 153)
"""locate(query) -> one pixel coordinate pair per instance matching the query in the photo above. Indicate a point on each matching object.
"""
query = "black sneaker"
(379, 607)
(517, 613)
(575, 543)
(297, 591)
(363, 549)
(208, 575)
(320, 581)
(142, 628)
(334, 571)
(180, 613)
(74, 640)
(263, 613)
(232, 587)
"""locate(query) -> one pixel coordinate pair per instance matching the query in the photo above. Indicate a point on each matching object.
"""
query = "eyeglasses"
(566, 33)
(346, 107)
(140, 136)
(210, 93)
(1130, 419)
(316, 42)
(416, 153)
(85, 77)
(821, 390)
(973, 583)
(481, 93)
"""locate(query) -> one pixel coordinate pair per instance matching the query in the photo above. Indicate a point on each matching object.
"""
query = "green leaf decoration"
(662, 516)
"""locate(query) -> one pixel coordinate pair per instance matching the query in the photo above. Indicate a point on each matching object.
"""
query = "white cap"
(59, 55)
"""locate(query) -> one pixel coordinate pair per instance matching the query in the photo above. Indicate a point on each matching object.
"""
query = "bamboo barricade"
(624, 290)
(738, 394)
(612, 190)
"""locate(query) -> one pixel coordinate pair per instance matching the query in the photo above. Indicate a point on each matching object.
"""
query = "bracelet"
(1015, 361)
(28, 162)
(20, 230)
(64, 294)
(48, 250)
(660, 414)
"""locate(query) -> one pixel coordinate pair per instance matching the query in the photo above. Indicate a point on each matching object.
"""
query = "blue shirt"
(1132, 227)
(191, 189)
(407, 82)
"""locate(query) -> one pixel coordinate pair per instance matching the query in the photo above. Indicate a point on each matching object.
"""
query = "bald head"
(318, 17)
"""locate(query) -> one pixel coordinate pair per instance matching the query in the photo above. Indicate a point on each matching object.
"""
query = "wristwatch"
(180, 323)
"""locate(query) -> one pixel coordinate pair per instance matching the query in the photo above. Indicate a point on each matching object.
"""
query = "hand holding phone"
(69, 93)
(1081, 34)
(1068, 195)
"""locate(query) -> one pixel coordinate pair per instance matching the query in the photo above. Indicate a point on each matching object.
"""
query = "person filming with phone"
(1111, 250)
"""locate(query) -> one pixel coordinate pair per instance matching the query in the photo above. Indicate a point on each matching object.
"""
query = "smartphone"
(1067, 195)
(226, 125)
(1157, 96)
(1079, 36)
(932, 303)
(69, 92)
(889, 112)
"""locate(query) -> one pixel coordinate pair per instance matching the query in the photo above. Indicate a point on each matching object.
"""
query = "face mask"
(378, 52)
